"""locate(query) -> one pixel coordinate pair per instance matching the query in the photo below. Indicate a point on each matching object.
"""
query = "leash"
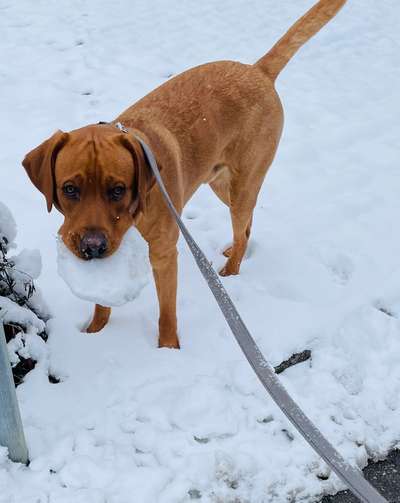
(351, 476)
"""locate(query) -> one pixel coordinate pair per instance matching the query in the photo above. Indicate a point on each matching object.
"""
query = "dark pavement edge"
(383, 475)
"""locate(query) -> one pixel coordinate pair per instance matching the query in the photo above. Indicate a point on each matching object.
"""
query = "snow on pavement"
(129, 422)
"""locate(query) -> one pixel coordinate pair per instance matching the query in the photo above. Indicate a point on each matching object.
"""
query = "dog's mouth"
(89, 245)
(84, 255)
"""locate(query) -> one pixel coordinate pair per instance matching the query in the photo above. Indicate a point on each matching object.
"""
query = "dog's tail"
(305, 28)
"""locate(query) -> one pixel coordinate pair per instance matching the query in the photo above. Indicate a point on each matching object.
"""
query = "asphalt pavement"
(384, 475)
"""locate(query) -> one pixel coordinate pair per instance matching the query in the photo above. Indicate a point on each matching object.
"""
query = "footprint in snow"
(342, 269)
(191, 214)
(339, 264)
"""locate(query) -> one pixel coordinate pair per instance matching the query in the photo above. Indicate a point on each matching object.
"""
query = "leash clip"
(121, 127)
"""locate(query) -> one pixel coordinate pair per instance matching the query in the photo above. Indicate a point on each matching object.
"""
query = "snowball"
(109, 281)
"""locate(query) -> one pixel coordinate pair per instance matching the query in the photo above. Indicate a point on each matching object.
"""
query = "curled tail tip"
(304, 29)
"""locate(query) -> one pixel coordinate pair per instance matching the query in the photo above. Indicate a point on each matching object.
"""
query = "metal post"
(11, 431)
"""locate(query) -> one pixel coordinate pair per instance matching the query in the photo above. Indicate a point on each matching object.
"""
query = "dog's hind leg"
(242, 216)
(221, 186)
(228, 251)
(244, 188)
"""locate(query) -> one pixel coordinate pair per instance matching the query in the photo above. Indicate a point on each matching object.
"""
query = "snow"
(129, 422)
(29, 262)
(8, 227)
(12, 312)
(110, 281)
(24, 306)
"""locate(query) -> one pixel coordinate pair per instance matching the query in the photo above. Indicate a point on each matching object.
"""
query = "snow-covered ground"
(132, 423)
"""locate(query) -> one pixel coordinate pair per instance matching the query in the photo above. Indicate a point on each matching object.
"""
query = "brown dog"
(219, 123)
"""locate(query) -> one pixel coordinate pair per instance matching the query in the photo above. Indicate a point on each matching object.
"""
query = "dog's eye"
(71, 191)
(117, 192)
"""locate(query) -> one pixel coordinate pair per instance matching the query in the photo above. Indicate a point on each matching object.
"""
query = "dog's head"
(97, 177)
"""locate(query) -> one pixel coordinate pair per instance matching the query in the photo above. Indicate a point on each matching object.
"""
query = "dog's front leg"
(100, 319)
(164, 261)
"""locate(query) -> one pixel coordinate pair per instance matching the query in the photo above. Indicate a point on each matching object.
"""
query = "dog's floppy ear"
(40, 165)
(142, 178)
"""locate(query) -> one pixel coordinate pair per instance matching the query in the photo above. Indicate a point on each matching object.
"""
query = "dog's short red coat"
(219, 123)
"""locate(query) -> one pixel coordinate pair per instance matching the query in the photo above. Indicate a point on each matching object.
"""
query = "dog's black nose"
(93, 245)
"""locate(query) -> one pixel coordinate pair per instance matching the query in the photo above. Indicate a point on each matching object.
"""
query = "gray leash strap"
(352, 477)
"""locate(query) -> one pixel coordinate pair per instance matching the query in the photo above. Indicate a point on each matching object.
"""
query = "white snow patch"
(8, 227)
(28, 262)
(11, 312)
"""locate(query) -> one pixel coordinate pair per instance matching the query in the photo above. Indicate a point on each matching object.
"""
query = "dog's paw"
(229, 269)
(95, 326)
(100, 319)
(169, 342)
